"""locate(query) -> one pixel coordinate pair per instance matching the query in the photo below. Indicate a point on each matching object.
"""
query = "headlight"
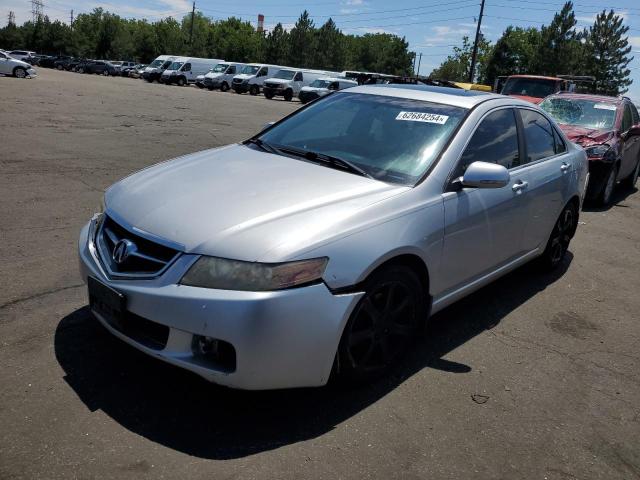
(597, 150)
(224, 274)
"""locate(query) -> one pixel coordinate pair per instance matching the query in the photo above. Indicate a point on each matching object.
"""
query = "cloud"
(592, 18)
(355, 2)
(634, 42)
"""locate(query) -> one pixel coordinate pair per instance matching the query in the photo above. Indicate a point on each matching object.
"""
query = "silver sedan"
(321, 245)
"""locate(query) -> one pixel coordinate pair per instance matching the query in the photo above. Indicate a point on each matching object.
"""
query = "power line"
(577, 4)
(555, 10)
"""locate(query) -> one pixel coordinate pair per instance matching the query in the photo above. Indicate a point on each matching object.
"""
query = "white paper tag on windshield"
(423, 117)
(604, 106)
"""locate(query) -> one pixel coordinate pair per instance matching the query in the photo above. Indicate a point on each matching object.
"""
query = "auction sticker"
(604, 106)
(423, 117)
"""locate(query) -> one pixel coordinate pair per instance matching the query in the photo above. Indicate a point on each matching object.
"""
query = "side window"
(627, 119)
(494, 141)
(634, 114)
(262, 72)
(187, 67)
(334, 86)
(560, 145)
(298, 77)
(231, 70)
(538, 135)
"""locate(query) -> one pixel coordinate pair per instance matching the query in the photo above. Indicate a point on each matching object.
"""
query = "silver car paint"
(236, 202)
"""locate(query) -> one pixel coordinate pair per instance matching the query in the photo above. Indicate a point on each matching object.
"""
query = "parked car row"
(15, 67)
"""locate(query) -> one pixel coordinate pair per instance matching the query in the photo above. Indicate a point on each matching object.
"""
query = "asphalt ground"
(533, 377)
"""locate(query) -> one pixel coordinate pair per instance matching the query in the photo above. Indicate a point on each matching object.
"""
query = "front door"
(484, 227)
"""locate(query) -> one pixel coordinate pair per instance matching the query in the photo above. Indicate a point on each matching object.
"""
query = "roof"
(590, 96)
(536, 76)
(449, 96)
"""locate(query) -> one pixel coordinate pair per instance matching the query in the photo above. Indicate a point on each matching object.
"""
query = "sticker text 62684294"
(423, 117)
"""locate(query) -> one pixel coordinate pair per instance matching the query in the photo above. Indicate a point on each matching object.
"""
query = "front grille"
(136, 256)
(237, 81)
(275, 86)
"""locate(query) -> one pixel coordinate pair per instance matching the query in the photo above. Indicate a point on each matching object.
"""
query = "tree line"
(601, 51)
(104, 35)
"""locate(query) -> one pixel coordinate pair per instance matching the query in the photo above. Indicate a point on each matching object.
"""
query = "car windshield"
(250, 70)
(581, 112)
(320, 83)
(530, 87)
(116, 63)
(156, 63)
(285, 74)
(175, 66)
(221, 67)
(392, 139)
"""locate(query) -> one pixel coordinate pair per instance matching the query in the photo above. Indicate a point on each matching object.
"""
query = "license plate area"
(107, 302)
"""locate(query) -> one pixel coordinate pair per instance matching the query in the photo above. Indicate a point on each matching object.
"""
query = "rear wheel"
(254, 90)
(383, 324)
(19, 72)
(561, 236)
(631, 180)
(224, 87)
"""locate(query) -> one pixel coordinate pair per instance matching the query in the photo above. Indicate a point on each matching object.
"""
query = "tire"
(105, 73)
(210, 89)
(224, 87)
(60, 67)
(80, 70)
(19, 72)
(254, 90)
(630, 182)
(180, 82)
(288, 95)
(199, 85)
(606, 192)
(558, 243)
(383, 324)
(268, 95)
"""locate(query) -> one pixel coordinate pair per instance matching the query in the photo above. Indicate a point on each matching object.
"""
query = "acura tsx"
(320, 246)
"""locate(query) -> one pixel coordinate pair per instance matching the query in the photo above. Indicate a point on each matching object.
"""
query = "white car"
(14, 67)
(24, 55)
(324, 86)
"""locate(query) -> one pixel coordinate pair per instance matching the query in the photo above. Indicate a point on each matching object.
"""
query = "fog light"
(213, 353)
(204, 345)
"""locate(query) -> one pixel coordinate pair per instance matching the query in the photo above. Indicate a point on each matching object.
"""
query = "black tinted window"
(560, 145)
(494, 141)
(634, 114)
(538, 134)
(231, 69)
(627, 119)
(187, 67)
(298, 77)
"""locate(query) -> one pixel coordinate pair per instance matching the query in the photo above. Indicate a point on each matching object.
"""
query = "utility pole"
(475, 44)
(419, 62)
(12, 18)
(71, 24)
(415, 57)
(193, 14)
(36, 10)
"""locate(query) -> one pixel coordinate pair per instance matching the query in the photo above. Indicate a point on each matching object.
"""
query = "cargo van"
(221, 76)
(287, 82)
(323, 86)
(155, 68)
(185, 70)
(252, 77)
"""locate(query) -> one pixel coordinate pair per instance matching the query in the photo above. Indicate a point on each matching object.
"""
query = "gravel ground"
(533, 377)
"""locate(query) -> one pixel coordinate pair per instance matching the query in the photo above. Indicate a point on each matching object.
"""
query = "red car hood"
(586, 136)
(526, 98)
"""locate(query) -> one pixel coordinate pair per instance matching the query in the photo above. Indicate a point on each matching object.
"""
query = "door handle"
(565, 167)
(519, 186)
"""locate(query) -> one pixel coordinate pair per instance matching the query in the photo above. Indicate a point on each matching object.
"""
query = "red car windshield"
(529, 87)
(581, 112)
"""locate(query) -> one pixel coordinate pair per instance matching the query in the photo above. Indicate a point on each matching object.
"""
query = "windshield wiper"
(264, 146)
(323, 158)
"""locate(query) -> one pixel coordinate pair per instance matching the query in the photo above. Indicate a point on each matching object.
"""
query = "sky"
(431, 28)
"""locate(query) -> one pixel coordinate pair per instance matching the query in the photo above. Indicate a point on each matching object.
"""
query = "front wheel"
(288, 95)
(19, 72)
(561, 236)
(268, 95)
(254, 90)
(60, 67)
(631, 180)
(105, 73)
(383, 324)
(604, 198)
(181, 82)
(224, 87)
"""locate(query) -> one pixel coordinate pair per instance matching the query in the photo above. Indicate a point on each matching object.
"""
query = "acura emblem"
(122, 250)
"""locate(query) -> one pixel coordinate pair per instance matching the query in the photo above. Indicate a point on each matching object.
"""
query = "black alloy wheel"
(561, 236)
(383, 324)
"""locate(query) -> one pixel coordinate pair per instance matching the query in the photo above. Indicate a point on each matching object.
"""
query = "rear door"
(549, 172)
(484, 226)
(630, 144)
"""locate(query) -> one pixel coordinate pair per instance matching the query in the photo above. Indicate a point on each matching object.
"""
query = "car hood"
(214, 74)
(280, 81)
(242, 203)
(587, 136)
(21, 63)
(314, 89)
(243, 76)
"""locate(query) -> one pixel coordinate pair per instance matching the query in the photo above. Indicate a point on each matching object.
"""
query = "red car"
(533, 88)
(608, 128)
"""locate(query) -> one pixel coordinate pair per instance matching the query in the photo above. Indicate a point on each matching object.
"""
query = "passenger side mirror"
(485, 175)
(634, 131)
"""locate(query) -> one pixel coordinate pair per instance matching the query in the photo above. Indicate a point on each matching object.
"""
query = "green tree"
(559, 49)
(608, 42)
(456, 67)
(514, 53)
(329, 47)
(277, 46)
(301, 43)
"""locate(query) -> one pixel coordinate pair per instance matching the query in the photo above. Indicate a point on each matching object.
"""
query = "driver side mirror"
(485, 175)
(634, 131)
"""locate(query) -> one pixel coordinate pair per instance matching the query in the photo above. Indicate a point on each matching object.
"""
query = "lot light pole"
(193, 13)
(475, 44)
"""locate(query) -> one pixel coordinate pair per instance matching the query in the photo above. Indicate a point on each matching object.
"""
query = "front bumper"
(282, 339)
(32, 72)
(240, 87)
(275, 92)
(212, 82)
(305, 97)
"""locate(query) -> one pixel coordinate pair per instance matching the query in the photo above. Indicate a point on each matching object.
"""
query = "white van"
(288, 81)
(185, 70)
(221, 76)
(324, 86)
(155, 68)
(252, 77)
